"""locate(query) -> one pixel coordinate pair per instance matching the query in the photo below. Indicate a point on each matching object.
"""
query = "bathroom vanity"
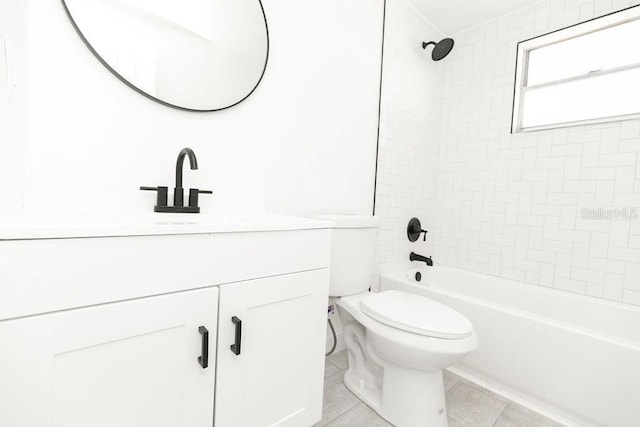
(162, 321)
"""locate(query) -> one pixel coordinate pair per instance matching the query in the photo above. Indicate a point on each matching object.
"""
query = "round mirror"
(197, 55)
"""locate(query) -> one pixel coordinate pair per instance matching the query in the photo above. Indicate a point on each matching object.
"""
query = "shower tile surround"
(409, 128)
(496, 203)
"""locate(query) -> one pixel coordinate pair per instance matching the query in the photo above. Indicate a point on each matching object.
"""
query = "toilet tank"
(353, 252)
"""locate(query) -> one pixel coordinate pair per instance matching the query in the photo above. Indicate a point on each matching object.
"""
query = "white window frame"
(587, 27)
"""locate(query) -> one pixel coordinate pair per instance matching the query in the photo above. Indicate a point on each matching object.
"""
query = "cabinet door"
(126, 364)
(277, 377)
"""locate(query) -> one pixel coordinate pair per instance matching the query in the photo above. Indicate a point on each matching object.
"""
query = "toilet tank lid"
(350, 221)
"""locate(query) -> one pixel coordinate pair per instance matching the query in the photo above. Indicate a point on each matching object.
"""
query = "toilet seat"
(416, 314)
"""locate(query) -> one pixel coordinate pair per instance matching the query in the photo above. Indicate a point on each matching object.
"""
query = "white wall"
(303, 142)
(509, 205)
(13, 39)
(410, 122)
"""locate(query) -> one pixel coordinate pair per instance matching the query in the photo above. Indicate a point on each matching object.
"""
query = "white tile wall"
(502, 204)
(410, 117)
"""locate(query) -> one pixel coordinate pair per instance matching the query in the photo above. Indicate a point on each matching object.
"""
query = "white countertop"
(63, 223)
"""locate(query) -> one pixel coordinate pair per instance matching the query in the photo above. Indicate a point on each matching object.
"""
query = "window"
(582, 74)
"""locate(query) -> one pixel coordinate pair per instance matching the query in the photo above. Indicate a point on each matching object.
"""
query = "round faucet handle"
(414, 230)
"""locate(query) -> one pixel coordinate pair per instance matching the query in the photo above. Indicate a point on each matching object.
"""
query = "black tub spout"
(417, 257)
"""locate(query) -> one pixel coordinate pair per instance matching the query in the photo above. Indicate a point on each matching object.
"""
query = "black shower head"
(440, 49)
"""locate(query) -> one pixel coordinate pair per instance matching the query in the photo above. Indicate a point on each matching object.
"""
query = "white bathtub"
(573, 358)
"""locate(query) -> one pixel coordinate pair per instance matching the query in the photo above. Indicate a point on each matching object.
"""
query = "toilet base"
(407, 398)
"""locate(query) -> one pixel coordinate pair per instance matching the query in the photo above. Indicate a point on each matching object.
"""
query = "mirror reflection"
(201, 55)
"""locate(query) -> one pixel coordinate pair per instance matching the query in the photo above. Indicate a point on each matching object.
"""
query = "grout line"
(346, 411)
(500, 414)
(322, 422)
(333, 363)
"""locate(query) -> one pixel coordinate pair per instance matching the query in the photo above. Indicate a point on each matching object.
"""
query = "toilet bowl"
(397, 343)
(396, 357)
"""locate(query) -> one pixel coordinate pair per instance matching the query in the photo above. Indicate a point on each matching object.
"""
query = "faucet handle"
(162, 194)
(193, 196)
(414, 230)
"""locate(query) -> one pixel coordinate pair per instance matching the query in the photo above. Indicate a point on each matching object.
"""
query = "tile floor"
(467, 404)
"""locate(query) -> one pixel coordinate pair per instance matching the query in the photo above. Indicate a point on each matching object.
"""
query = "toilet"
(397, 343)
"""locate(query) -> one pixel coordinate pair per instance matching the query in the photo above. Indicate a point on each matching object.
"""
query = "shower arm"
(425, 44)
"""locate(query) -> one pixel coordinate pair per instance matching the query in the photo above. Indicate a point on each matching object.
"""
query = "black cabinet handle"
(203, 360)
(235, 348)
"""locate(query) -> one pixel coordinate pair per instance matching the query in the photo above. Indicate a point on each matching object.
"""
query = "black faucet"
(178, 191)
(417, 257)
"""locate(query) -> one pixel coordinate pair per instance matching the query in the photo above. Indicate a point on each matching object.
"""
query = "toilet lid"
(417, 314)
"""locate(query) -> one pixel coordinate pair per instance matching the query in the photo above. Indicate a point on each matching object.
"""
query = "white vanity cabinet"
(109, 331)
(132, 363)
(271, 365)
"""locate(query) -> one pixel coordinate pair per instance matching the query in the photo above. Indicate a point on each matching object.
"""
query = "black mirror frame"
(145, 94)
